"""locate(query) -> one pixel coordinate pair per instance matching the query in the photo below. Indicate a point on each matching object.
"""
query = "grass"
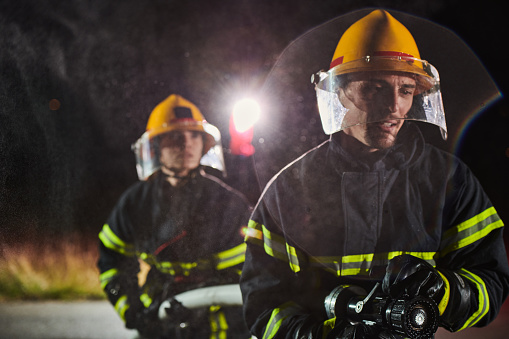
(63, 269)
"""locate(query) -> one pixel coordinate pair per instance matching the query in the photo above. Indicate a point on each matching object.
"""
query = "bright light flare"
(246, 113)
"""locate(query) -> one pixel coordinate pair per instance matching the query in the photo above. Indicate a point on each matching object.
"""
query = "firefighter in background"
(373, 204)
(184, 223)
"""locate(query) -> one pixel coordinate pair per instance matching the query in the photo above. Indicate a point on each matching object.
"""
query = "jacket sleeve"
(472, 247)
(278, 301)
(118, 263)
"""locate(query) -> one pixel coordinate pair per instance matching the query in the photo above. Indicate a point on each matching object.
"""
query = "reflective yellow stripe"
(146, 300)
(107, 276)
(222, 260)
(350, 265)
(149, 258)
(113, 242)
(121, 306)
(361, 264)
(293, 258)
(274, 245)
(253, 231)
(231, 257)
(470, 231)
(442, 305)
(180, 268)
(484, 300)
(278, 315)
(218, 324)
(328, 325)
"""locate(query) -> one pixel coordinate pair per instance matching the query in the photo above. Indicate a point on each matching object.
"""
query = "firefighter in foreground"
(184, 223)
(373, 204)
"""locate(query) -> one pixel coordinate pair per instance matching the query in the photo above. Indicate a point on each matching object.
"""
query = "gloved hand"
(311, 329)
(146, 322)
(357, 331)
(407, 276)
(176, 312)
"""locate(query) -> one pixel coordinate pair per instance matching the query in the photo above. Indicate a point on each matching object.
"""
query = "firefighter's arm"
(278, 302)
(267, 298)
(119, 266)
(477, 281)
(472, 256)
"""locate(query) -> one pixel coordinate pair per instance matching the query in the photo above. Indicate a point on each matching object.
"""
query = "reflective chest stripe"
(360, 264)
(455, 238)
(219, 261)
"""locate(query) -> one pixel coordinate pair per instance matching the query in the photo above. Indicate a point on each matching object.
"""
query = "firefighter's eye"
(195, 134)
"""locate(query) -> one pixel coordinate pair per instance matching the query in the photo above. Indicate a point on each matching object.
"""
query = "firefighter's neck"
(177, 176)
(354, 145)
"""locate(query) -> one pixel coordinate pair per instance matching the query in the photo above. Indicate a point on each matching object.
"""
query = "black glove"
(177, 313)
(462, 299)
(357, 331)
(309, 328)
(407, 276)
(146, 322)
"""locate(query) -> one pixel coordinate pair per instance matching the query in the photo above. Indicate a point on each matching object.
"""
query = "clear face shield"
(146, 151)
(377, 89)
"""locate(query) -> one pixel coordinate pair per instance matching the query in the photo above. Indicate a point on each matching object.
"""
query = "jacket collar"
(408, 150)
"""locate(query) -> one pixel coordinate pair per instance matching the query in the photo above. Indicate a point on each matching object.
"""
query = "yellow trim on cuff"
(442, 305)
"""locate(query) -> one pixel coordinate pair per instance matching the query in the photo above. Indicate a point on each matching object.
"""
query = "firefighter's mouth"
(389, 124)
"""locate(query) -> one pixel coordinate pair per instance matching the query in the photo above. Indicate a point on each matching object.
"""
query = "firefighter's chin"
(382, 135)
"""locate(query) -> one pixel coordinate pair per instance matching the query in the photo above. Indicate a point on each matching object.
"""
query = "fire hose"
(223, 295)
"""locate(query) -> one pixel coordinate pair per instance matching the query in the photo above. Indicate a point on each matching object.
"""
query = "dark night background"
(80, 78)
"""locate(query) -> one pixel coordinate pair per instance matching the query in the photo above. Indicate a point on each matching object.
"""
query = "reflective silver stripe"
(113, 242)
(274, 245)
(121, 306)
(278, 315)
(180, 268)
(218, 324)
(350, 265)
(361, 264)
(470, 231)
(219, 261)
(484, 299)
(231, 257)
(107, 276)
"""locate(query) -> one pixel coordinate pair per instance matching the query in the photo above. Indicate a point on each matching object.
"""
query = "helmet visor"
(146, 151)
(379, 89)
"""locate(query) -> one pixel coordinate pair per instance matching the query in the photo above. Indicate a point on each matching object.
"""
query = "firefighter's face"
(382, 100)
(181, 151)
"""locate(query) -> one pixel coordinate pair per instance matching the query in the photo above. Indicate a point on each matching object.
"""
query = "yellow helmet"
(178, 114)
(378, 43)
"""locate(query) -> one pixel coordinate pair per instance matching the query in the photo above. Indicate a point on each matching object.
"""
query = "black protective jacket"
(332, 218)
(190, 236)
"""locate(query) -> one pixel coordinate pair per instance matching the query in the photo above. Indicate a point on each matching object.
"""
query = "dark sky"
(79, 79)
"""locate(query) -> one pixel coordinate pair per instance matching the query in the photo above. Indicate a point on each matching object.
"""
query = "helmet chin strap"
(173, 175)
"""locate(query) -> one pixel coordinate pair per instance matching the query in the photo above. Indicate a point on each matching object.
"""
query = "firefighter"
(373, 204)
(183, 223)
